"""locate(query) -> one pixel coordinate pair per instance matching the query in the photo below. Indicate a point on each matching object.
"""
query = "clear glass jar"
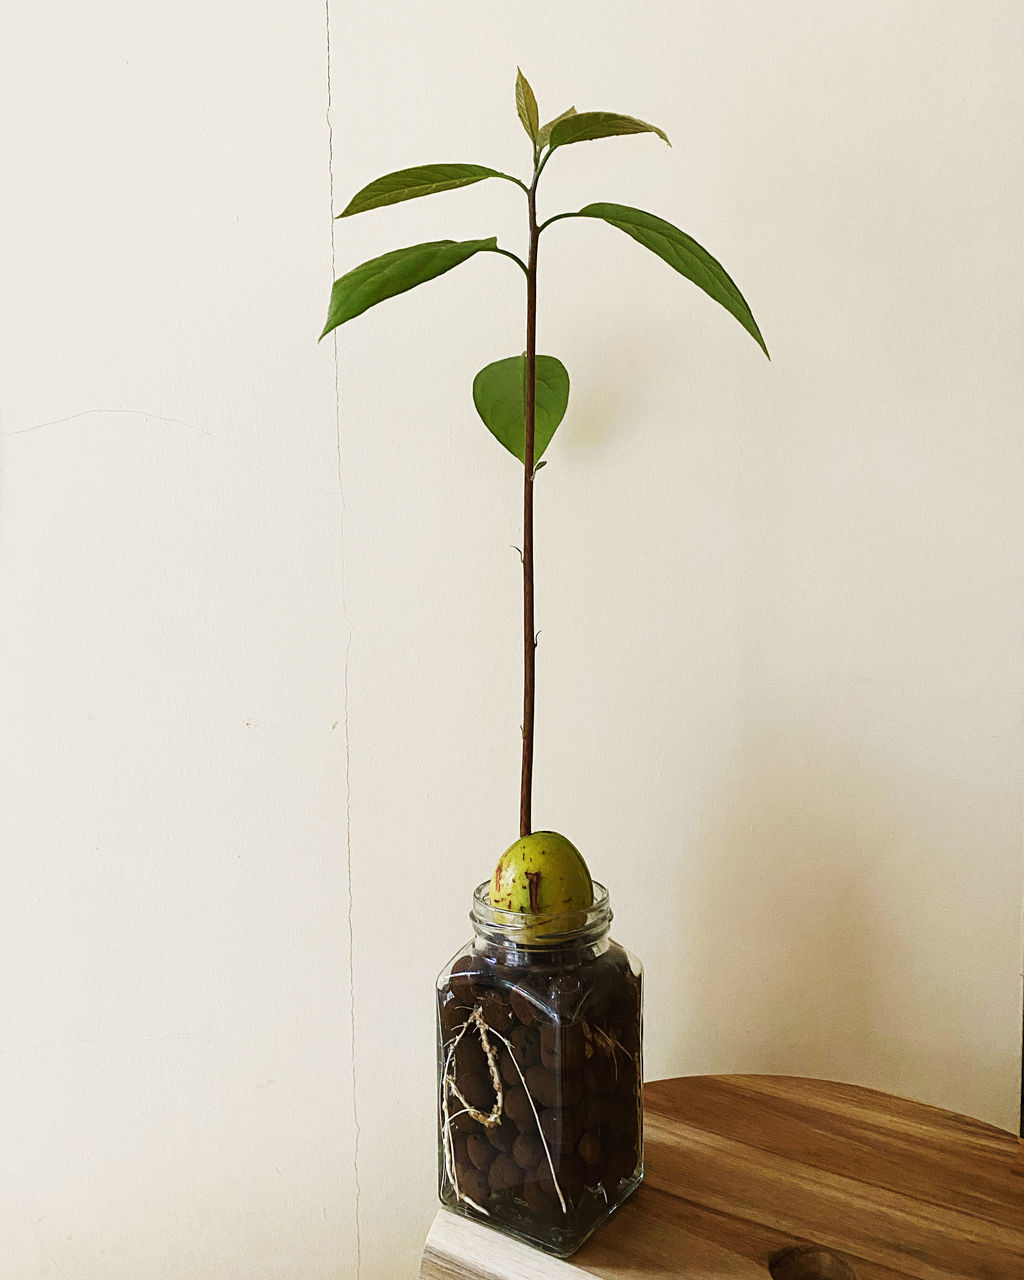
(539, 1063)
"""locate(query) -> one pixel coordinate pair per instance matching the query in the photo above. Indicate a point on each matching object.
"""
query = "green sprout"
(522, 398)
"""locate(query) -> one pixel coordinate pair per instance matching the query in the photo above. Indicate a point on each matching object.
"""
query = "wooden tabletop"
(824, 1181)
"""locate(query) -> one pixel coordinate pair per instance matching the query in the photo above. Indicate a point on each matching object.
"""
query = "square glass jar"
(540, 1070)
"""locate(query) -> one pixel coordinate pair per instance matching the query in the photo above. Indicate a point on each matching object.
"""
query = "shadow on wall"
(819, 960)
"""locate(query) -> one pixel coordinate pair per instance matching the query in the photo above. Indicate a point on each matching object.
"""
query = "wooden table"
(743, 1169)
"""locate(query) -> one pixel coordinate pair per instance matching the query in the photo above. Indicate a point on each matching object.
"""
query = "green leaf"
(587, 125)
(424, 180)
(544, 137)
(684, 254)
(499, 393)
(395, 272)
(526, 105)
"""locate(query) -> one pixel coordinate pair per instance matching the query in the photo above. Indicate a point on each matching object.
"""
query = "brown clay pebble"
(497, 1013)
(508, 1068)
(552, 1129)
(480, 1150)
(461, 1121)
(469, 1054)
(473, 1183)
(461, 981)
(527, 1151)
(461, 1143)
(453, 1015)
(504, 1174)
(589, 1148)
(542, 1203)
(562, 1047)
(553, 1088)
(561, 1128)
(501, 1136)
(543, 1085)
(542, 1177)
(517, 1107)
(525, 1042)
(522, 1006)
(476, 1088)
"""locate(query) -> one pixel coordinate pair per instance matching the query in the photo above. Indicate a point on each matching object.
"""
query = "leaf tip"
(526, 106)
(755, 332)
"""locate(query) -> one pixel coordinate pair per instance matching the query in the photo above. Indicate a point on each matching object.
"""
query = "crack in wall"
(34, 1219)
(288, 481)
(338, 493)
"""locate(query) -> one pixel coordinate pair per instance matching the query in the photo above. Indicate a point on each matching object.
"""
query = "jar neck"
(547, 935)
(512, 955)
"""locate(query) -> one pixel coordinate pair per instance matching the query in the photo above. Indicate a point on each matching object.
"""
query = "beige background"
(259, 670)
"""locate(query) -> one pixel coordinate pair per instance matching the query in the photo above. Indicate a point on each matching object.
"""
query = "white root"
(493, 1117)
(478, 1207)
(608, 1044)
(533, 1108)
(448, 1083)
(605, 1043)
(446, 1128)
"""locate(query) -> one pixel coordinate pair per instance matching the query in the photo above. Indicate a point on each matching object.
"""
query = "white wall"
(260, 627)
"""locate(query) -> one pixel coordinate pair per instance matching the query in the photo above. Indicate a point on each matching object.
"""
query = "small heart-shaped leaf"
(499, 393)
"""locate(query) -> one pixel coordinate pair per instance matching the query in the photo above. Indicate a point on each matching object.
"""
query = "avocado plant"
(522, 398)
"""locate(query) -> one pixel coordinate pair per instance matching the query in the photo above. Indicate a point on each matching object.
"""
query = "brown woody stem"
(529, 630)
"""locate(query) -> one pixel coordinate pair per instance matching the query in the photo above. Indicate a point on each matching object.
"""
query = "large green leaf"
(424, 180)
(684, 254)
(544, 136)
(586, 125)
(526, 105)
(395, 272)
(499, 393)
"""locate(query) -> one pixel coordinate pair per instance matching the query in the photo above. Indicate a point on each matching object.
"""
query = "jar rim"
(545, 929)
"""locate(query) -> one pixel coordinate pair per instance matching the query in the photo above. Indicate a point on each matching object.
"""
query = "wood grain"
(743, 1168)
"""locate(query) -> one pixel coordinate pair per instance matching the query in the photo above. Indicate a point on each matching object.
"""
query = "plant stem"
(529, 630)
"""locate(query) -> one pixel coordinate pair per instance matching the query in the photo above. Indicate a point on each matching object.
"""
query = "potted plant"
(539, 1027)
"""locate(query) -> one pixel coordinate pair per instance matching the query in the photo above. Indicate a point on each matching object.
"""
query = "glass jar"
(539, 1043)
